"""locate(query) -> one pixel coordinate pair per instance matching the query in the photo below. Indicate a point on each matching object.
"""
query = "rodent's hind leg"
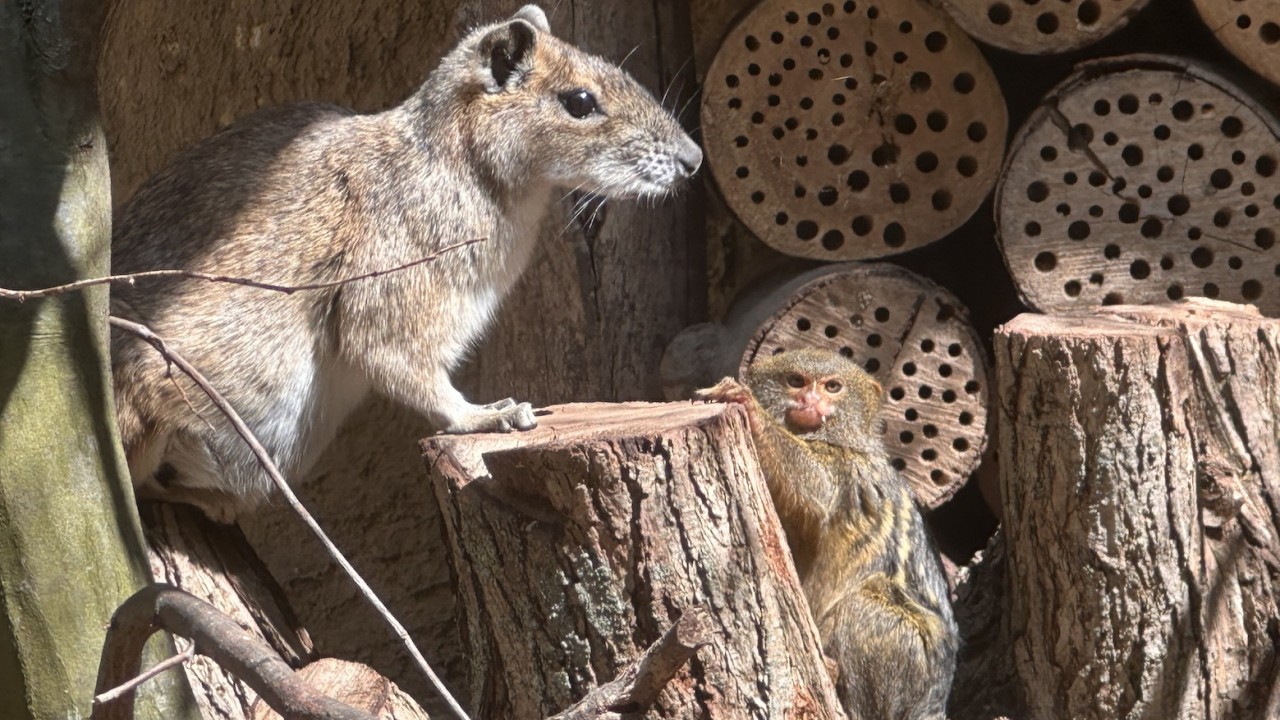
(189, 473)
(218, 506)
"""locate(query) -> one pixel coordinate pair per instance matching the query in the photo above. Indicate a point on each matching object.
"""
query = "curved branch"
(214, 635)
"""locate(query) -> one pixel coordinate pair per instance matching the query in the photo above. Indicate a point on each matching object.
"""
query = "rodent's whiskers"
(692, 96)
(628, 56)
(579, 206)
(670, 83)
(574, 190)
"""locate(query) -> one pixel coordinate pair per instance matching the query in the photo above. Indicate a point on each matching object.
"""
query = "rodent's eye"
(579, 103)
(834, 386)
(795, 381)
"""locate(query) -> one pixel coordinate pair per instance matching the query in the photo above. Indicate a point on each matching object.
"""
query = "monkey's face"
(816, 394)
(810, 400)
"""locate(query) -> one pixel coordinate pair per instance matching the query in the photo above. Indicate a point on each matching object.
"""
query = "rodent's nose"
(690, 156)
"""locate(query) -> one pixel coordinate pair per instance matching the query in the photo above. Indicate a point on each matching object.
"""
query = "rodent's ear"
(507, 51)
(533, 15)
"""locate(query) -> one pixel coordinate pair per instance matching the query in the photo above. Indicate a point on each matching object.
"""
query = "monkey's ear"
(507, 51)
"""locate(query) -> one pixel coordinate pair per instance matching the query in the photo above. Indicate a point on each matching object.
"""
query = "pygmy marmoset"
(872, 577)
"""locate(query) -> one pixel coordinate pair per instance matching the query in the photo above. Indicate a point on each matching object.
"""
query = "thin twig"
(128, 686)
(132, 278)
(269, 466)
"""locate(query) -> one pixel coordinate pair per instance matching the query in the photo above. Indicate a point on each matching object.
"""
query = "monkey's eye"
(834, 386)
(795, 381)
(579, 103)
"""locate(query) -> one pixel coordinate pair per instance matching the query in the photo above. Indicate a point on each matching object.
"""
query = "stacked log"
(843, 131)
(1250, 29)
(1035, 28)
(1142, 179)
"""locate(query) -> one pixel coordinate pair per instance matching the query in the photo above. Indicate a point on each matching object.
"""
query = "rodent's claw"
(502, 404)
(522, 418)
(727, 390)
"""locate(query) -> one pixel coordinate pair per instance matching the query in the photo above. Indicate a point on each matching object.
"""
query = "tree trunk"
(70, 546)
(575, 545)
(1140, 469)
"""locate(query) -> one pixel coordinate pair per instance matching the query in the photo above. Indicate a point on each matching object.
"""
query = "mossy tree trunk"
(70, 546)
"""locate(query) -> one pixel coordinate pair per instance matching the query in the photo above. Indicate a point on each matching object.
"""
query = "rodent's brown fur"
(868, 567)
(311, 193)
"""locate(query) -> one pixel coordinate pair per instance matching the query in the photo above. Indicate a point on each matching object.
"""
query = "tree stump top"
(560, 425)
(1075, 326)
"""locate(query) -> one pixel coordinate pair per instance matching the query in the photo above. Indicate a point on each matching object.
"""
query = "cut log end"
(843, 130)
(1249, 29)
(1140, 180)
(1041, 29)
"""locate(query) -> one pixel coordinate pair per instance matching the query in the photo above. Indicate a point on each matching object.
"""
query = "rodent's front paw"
(501, 416)
(727, 390)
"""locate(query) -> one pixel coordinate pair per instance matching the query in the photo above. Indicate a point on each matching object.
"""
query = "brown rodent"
(310, 193)
(868, 567)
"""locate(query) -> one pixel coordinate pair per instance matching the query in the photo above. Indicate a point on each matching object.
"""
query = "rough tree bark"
(1140, 470)
(70, 545)
(576, 544)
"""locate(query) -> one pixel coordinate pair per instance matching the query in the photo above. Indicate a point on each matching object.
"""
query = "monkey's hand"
(727, 390)
(501, 416)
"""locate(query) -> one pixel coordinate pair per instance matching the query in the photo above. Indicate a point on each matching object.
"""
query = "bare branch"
(129, 685)
(214, 635)
(269, 466)
(132, 278)
(637, 687)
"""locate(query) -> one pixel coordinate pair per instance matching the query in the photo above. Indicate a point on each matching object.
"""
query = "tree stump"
(1250, 29)
(842, 131)
(1142, 179)
(1140, 470)
(576, 544)
(1041, 29)
(912, 336)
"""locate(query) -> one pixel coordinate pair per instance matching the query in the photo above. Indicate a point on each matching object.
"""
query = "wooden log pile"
(1141, 171)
